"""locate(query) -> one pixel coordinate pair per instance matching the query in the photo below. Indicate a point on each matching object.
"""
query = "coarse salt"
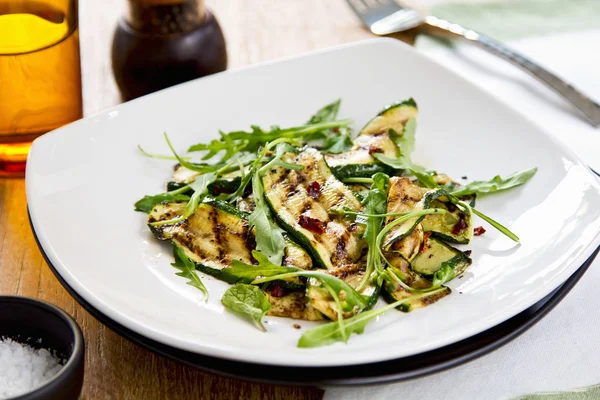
(23, 368)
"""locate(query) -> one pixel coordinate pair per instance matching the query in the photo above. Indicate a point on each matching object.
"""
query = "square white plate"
(83, 179)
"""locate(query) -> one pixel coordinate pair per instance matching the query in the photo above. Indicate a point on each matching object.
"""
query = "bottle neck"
(165, 17)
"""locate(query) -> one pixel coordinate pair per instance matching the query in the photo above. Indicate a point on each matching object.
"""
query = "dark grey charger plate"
(354, 375)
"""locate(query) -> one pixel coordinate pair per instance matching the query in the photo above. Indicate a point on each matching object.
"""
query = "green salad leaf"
(146, 203)
(187, 269)
(158, 156)
(335, 332)
(200, 187)
(375, 206)
(246, 273)
(406, 141)
(249, 300)
(495, 184)
(326, 113)
(242, 141)
(339, 142)
(404, 162)
(269, 236)
(351, 298)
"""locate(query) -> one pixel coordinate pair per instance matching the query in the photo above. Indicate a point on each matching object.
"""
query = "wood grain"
(256, 30)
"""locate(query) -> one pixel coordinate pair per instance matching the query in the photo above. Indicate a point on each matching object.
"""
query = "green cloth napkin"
(510, 20)
(586, 393)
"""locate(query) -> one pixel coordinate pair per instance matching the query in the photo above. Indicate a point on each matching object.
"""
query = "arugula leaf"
(338, 142)
(215, 146)
(496, 224)
(269, 236)
(352, 300)
(375, 203)
(495, 184)
(249, 300)
(200, 187)
(280, 150)
(158, 156)
(242, 141)
(327, 113)
(406, 141)
(402, 162)
(246, 273)
(335, 332)
(187, 270)
(146, 204)
(423, 176)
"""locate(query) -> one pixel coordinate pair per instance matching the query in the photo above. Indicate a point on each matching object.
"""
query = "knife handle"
(590, 109)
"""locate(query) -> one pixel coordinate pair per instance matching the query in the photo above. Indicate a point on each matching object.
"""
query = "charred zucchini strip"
(301, 200)
(456, 225)
(215, 235)
(406, 238)
(435, 253)
(375, 137)
(320, 298)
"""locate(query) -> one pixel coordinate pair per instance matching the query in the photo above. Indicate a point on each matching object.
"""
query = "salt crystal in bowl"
(41, 351)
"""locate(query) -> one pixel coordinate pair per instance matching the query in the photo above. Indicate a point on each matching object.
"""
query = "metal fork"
(383, 17)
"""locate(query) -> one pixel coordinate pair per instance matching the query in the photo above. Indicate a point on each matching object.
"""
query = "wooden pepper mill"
(161, 43)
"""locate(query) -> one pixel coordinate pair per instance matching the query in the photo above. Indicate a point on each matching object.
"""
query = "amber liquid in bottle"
(161, 43)
(40, 79)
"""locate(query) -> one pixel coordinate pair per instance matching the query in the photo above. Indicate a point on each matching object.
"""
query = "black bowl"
(27, 321)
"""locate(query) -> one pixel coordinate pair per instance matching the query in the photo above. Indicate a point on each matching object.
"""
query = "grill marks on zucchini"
(287, 192)
(320, 298)
(375, 137)
(426, 255)
(392, 291)
(215, 235)
(435, 253)
(293, 305)
(210, 236)
(405, 238)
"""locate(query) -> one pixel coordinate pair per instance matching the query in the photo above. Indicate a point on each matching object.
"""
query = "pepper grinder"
(160, 43)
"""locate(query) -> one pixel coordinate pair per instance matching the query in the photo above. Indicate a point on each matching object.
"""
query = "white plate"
(83, 179)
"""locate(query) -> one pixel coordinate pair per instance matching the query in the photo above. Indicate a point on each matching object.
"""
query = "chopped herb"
(187, 269)
(495, 184)
(249, 300)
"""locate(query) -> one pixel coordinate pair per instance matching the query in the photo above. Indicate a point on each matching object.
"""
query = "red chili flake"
(336, 130)
(314, 190)
(478, 231)
(460, 225)
(425, 239)
(278, 291)
(373, 149)
(312, 224)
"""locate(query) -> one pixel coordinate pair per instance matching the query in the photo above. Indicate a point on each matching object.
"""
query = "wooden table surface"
(256, 30)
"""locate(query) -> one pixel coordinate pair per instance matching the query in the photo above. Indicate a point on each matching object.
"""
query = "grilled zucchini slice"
(392, 291)
(456, 225)
(320, 299)
(405, 238)
(293, 305)
(375, 137)
(435, 253)
(301, 200)
(215, 235)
